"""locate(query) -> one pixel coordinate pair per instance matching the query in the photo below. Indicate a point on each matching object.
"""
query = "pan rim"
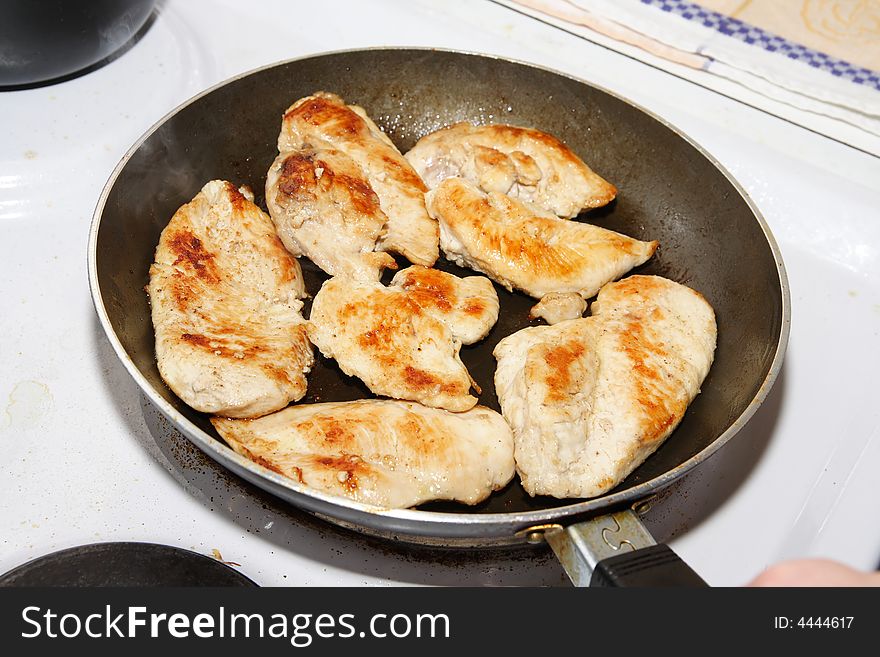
(414, 521)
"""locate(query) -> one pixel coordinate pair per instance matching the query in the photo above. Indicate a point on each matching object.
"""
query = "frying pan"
(711, 235)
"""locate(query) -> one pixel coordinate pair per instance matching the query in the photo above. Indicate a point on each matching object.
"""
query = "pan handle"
(617, 550)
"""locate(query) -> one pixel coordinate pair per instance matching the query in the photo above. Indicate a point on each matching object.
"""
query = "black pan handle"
(656, 565)
(617, 550)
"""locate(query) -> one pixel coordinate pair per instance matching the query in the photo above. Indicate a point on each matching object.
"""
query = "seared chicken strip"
(225, 303)
(324, 208)
(325, 121)
(521, 246)
(589, 399)
(403, 341)
(386, 453)
(559, 306)
(527, 164)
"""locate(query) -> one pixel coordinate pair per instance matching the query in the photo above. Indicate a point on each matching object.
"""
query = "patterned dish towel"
(813, 62)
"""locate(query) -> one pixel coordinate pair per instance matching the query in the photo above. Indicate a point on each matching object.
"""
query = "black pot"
(43, 40)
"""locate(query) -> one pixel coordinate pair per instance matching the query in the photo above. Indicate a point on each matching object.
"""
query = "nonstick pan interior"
(710, 238)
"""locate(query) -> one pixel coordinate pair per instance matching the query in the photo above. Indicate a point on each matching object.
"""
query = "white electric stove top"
(86, 459)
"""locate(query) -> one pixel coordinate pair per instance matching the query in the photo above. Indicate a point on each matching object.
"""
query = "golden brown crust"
(388, 453)
(191, 254)
(327, 112)
(298, 179)
(223, 290)
(403, 340)
(475, 307)
(469, 306)
(323, 120)
(380, 337)
(325, 208)
(523, 247)
(430, 288)
(660, 399)
(348, 468)
(560, 359)
(590, 398)
(660, 403)
(336, 120)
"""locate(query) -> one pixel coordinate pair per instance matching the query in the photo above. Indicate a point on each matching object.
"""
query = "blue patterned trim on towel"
(755, 36)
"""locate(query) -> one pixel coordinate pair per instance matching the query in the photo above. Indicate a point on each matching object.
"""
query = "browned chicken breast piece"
(526, 164)
(590, 399)
(324, 208)
(468, 306)
(323, 120)
(403, 341)
(225, 292)
(521, 246)
(391, 454)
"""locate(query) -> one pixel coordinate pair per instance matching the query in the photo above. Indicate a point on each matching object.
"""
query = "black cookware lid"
(124, 564)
